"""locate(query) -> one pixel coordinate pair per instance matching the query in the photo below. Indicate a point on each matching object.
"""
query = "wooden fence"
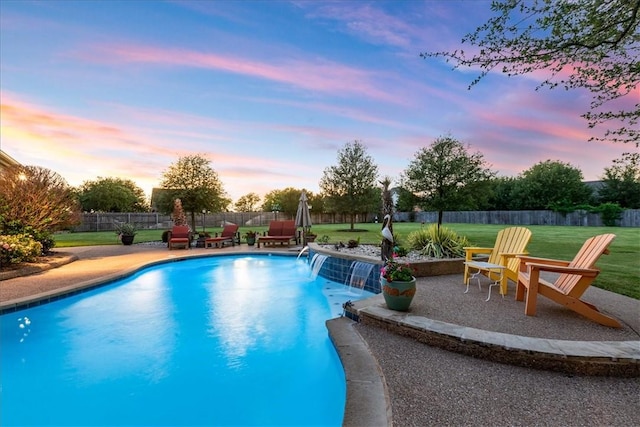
(107, 221)
(630, 218)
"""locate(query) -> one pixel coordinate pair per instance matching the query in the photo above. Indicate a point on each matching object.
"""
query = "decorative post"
(387, 223)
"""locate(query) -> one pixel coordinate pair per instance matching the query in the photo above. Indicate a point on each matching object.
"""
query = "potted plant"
(309, 236)
(251, 237)
(398, 284)
(202, 237)
(126, 231)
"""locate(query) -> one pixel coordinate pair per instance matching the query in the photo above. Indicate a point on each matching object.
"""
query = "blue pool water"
(219, 341)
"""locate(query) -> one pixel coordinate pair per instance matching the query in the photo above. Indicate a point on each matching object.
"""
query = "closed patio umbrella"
(303, 217)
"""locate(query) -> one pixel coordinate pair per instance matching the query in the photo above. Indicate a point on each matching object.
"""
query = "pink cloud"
(317, 75)
(82, 149)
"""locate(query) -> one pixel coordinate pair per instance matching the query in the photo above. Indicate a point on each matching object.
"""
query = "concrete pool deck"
(395, 379)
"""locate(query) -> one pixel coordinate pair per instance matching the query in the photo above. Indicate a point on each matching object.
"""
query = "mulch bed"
(51, 260)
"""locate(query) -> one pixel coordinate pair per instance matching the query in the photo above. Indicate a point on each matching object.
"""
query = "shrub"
(43, 236)
(438, 242)
(165, 236)
(353, 243)
(610, 213)
(18, 248)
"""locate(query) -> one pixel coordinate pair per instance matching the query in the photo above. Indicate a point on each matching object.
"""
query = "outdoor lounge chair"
(510, 242)
(279, 232)
(575, 277)
(229, 235)
(179, 236)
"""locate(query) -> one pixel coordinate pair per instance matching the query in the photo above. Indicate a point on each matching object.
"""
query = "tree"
(38, 199)
(112, 195)
(196, 184)
(407, 201)
(350, 187)
(247, 203)
(285, 201)
(444, 175)
(622, 182)
(589, 44)
(550, 185)
(501, 195)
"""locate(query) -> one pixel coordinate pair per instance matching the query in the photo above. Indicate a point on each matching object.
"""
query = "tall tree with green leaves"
(550, 184)
(350, 186)
(284, 201)
(586, 44)
(192, 180)
(247, 203)
(501, 195)
(445, 176)
(622, 182)
(112, 195)
(407, 201)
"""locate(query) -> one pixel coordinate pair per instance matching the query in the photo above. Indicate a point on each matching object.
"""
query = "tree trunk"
(193, 222)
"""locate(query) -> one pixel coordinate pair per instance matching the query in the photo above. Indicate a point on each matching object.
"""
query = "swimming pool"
(225, 340)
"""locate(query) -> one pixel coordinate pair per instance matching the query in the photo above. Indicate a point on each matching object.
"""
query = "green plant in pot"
(309, 236)
(250, 236)
(126, 232)
(398, 284)
(202, 237)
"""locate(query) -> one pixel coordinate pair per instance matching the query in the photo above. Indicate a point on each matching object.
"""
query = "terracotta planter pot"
(398, 295)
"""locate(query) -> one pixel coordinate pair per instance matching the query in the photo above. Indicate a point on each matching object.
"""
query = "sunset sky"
(268, 91)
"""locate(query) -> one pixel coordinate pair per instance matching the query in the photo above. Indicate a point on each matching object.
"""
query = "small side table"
(485, 266)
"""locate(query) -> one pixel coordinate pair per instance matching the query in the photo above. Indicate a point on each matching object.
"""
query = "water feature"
(225, 340)
(316, 264)
(358, 274)
(302, 251)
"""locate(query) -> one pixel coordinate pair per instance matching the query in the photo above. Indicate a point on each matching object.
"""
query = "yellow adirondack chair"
(510, 242)
(575, 277)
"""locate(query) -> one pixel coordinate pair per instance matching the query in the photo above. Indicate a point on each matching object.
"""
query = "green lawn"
(620, 269)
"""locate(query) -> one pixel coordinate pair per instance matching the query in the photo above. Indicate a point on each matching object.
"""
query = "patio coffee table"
(481, 266)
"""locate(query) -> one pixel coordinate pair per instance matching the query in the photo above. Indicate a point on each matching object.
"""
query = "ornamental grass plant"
(438, 242)
(126, 229)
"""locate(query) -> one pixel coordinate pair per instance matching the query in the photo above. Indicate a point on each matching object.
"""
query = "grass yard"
(620, 269)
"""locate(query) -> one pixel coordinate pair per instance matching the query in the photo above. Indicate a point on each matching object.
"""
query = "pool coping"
(45, 297)
(368, 402)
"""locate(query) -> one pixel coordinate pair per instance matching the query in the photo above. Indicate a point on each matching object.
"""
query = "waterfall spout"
(305, 249)
(316, 264)
(358, 275)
